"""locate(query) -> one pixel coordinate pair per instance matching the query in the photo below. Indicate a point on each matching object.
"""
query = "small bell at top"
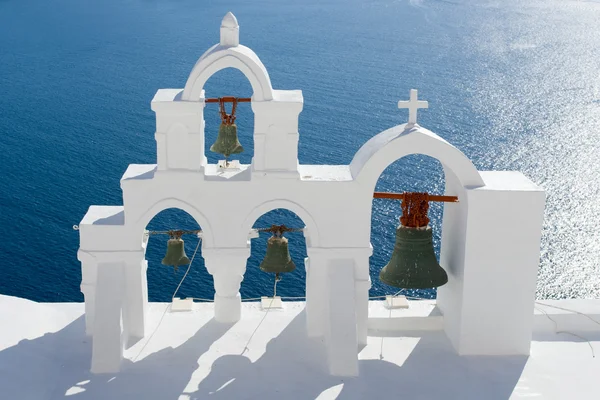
(175, 253)
(227, 142)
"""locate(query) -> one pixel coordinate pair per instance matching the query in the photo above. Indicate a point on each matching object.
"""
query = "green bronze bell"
(227, 142)
(175, 253)
(277, 260)
(413, 264)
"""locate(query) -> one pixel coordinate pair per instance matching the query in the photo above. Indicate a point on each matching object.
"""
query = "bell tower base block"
(488, 302)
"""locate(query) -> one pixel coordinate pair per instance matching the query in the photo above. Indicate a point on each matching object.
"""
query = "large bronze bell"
(175, 253)
(277, 260)
(227, 142)
(413, 264)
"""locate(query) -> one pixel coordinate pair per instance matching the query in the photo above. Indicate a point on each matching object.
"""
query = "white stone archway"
(389, 146)
(167, 203)
(228, 53)
(490, 238)
(311, 232)
(275, 113)
(218, 58)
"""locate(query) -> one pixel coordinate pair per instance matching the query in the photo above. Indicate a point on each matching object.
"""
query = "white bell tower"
(490, 237)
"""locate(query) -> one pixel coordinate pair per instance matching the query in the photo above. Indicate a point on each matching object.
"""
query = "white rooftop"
(46, 355)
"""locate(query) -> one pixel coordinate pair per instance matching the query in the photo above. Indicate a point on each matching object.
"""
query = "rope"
(167, 307)
(175, 233)
(390, 316)
(556, 331)
(153, 332)
(408, 297)
(381, 348)
(265, 316)
(304, 298)
(277, 279)
(282, 298)
(187, 271)
(566, 309)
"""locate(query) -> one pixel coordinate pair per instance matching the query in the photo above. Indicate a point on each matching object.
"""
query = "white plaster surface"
(490, 238)
(421, 315)
(46, 355)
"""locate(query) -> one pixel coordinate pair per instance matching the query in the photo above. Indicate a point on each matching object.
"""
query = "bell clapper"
(277, 279)
(272, 302)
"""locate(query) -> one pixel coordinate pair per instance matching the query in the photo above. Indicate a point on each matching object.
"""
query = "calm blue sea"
(513, 84)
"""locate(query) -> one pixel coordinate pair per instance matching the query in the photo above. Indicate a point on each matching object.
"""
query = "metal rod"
(175, 231)
(400, 196)
(279, 229)
(228, 99)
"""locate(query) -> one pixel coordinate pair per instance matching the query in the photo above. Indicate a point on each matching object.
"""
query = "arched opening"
(229, 82)
(411, 173)
(257, 283)
(162, 279)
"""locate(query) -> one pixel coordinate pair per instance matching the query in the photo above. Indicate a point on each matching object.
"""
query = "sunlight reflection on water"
(543, 102)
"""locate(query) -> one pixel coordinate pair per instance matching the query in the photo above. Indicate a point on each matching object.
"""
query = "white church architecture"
(490, 245)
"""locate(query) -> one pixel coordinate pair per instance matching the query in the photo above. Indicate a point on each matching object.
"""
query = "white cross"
(413, 105)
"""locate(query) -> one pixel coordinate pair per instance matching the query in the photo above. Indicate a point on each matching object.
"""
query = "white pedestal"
(228, 309)
(271, 303)
(182, 304)
(233, 164)
(392, 302)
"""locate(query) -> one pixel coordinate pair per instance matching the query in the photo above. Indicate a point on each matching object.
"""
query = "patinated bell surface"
(227, 142)
(277, 259)
(175, 253)
(413, 264)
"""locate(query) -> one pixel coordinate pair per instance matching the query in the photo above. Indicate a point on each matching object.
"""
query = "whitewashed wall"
(490, 238)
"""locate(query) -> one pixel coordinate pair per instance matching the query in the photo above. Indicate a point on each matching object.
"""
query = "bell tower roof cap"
(230, 31)
(229, 21)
